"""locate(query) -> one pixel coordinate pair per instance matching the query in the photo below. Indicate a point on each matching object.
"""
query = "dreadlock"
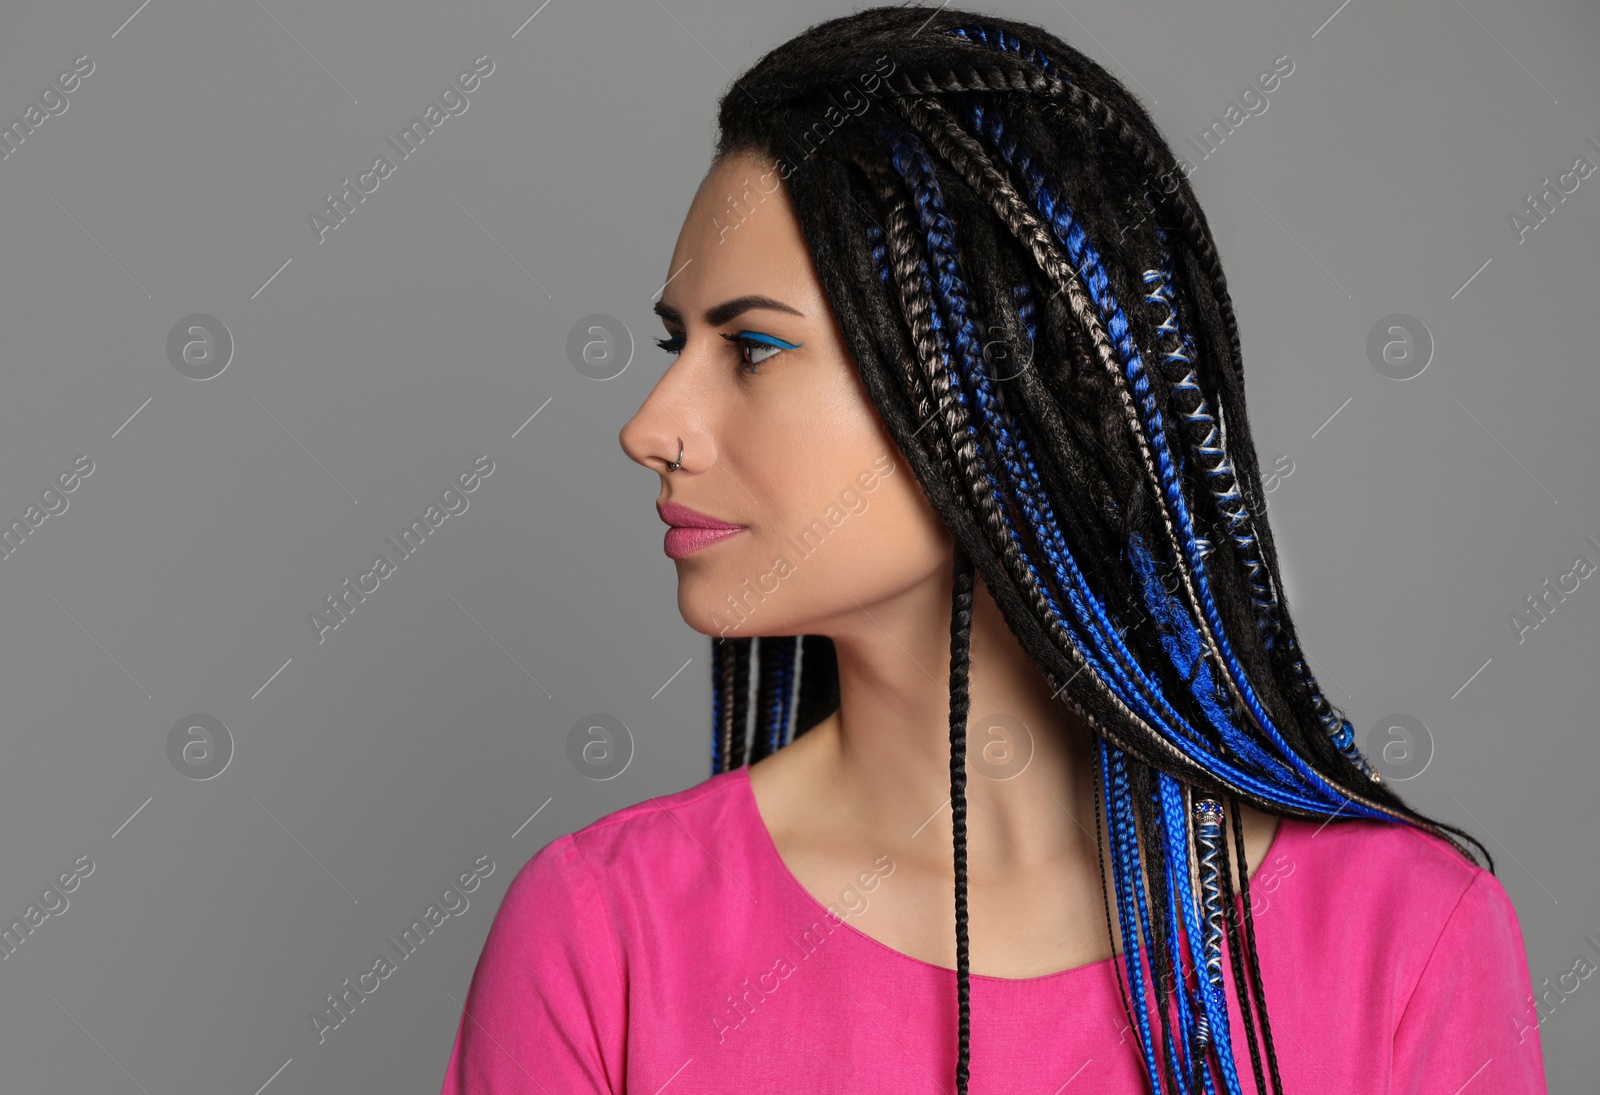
(958, 176)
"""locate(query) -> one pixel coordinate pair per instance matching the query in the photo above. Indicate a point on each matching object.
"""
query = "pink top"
(667, 948)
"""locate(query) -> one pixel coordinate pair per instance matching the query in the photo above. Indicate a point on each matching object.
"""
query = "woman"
(955, 444)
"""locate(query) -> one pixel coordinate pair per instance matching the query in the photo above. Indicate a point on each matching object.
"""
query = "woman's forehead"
(739, 249)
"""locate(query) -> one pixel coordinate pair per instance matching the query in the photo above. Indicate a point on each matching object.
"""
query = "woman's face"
(779, 436)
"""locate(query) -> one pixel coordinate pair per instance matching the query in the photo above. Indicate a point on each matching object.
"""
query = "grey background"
(431, 728)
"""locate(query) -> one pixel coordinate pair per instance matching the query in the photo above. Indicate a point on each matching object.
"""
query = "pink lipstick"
(691, 530)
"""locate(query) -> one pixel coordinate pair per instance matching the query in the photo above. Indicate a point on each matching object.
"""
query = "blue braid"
(1170, 848)
(880, 253)
(1135, 866)
(1023, 296)
(783, 679)
(1177, 830)
(1125, 872)
(792, 713)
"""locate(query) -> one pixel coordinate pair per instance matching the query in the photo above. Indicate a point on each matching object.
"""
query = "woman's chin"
(702, 611)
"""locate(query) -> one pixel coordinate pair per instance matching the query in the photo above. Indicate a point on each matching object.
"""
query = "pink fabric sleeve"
(1469, 1023)
(546, 1007)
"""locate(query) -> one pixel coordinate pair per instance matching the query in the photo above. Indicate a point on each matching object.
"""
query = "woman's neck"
(885, 754)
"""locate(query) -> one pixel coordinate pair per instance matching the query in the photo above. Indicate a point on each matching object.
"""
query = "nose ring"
(674, 466)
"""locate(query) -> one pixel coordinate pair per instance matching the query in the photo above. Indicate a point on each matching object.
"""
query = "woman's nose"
(644, 440)
(657, 437)
(680, 408)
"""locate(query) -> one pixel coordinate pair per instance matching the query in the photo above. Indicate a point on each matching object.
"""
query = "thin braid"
(719, 695)
(792, 706)
(1250, 940)
(1130, 903)
(960, 650)
(1105, 897)
(739, 651)
(731, 666)
(988, 76)
(924, 384)
(774, 670)
(1249, 1006)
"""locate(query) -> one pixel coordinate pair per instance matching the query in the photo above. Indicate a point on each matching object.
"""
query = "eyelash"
(744, 341)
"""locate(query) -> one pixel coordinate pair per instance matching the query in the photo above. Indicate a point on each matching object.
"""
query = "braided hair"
(965, 182)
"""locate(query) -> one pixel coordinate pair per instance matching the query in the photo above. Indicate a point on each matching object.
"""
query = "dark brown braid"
(960, 649)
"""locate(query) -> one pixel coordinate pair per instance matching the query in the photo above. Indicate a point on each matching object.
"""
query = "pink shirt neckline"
(768, 849)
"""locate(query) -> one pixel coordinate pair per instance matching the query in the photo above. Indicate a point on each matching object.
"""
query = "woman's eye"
(757, 352)
(755, 348)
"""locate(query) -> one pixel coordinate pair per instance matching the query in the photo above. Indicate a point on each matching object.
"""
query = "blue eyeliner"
(768, 340)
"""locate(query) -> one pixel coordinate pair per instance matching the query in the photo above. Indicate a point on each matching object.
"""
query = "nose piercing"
(679, 462)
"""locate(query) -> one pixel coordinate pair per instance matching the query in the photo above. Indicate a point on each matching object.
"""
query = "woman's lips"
(681, 541)
(691, 530)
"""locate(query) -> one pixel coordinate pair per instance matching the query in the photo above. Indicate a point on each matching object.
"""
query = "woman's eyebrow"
(719, 314)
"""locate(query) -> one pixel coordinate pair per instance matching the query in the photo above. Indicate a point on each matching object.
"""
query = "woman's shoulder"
(647, 843)
(1382, 859)
(587, 918)
(1391, 891)
(1392, 925)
